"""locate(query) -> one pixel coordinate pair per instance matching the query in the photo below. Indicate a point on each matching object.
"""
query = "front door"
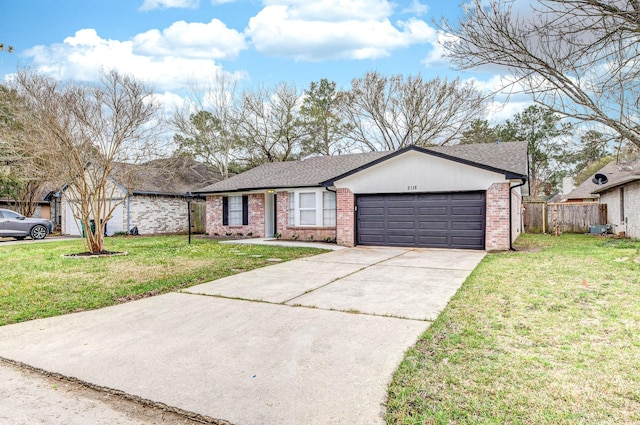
(269, 215)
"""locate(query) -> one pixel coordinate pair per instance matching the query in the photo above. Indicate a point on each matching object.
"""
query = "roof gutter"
(254, 189)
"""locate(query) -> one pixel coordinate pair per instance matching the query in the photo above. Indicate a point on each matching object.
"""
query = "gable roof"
(167, 176)
(509, 159)
(618, 173)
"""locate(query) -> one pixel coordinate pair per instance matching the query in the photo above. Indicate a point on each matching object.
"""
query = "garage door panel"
(402, 240)
(376, 225)
(467, 196)
(441, 220)
(467, 225)
(430, 197)
(422, 210)
(466, 210)
(394, 211)
(373, 211)
(395, 225)
(434, 241)
(433, 225)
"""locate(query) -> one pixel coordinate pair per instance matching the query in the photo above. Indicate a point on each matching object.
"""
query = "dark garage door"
(428, 220)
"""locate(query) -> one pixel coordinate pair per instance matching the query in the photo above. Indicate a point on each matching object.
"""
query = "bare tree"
(271, 128)
(208, 125)
(20, 180)
(83, 135)
(389, 113)
(580, 58)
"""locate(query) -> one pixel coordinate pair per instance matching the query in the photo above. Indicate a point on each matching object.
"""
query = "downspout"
(128, 214)
(524, 181)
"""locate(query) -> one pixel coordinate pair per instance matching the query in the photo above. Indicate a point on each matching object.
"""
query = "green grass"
(549, 334)
(36, 281)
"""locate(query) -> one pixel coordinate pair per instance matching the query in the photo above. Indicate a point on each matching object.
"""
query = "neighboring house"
(40, 198)
(621, 193)
(157, 197)
(464, 196)
(585, 191)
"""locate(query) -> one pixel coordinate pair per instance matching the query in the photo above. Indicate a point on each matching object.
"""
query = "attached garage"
(461, 196)
(425, 220)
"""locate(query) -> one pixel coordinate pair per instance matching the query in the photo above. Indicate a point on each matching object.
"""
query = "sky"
(172, 43)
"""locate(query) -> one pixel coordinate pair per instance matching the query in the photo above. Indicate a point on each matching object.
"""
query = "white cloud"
(416, 8)
(169, 4)
(333, 29)
(82, 56)
(436, 56)
(196, 40)
(509, 99)
(335, 10)
(499, 112)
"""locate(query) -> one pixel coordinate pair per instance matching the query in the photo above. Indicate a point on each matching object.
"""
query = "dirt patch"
(37, 396)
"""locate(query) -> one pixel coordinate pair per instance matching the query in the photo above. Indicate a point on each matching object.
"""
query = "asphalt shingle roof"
(507, 157)
(618, 173)
(169, 176)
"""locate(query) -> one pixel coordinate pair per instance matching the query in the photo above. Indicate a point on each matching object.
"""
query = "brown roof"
(510, 158)
(169, 176)
(618, 173)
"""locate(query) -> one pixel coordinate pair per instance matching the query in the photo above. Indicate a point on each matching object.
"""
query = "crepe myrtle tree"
(578, 58)
(83, 135)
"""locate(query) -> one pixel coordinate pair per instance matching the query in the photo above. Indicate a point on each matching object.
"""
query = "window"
(9, 214)
(621, 205)
(328, 208)
(308, 209)
(235, 210)
(292, 209)
(316, 208)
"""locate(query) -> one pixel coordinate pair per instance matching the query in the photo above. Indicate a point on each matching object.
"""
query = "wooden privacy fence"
(564, 217)
(199, 217)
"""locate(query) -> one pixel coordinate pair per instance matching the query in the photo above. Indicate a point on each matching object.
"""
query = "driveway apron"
(311, 341)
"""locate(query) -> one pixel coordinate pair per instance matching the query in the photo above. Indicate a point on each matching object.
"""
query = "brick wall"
(157, 214)
(497, 216)
(255, 228)
(298, 233)
(345, 217)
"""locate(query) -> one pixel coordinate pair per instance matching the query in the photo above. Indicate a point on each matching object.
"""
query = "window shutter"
(225, 211)
(245, 210)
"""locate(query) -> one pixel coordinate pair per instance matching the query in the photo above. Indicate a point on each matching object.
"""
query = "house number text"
(412, 187)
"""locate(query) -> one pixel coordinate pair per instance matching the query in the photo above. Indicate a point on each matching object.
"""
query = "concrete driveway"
(311, 341)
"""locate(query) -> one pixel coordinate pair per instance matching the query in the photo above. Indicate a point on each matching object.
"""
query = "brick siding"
(298, 233)
(345, 217)
(255, 228)
(497, 216)
(153, 214)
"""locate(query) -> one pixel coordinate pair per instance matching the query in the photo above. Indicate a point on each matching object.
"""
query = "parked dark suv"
(14, 225)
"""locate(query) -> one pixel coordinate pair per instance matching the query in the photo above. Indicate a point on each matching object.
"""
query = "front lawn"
(35, 281)
(549, 334)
